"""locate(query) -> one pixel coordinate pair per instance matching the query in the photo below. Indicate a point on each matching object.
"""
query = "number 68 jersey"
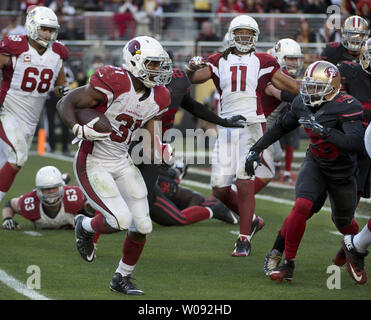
(29, 76)
(73, 202)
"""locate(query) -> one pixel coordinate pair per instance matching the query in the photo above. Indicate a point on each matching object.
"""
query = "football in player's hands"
(84, 116)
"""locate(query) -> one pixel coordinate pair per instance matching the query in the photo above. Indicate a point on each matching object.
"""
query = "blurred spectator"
(364, 10)
(229, 6)
(275, 6)
(293, 7)
(201, 6)
(315, 6)
(326, 35)
(167, 6)
(207, 33)
(96, 64)
(62, 7)
(348, 7)
(25, 4)
(143, 20)
(124, 19)
(305, 34)
(81, 78)
(9, 5)
(15, 27)
(252, 6)
(68, 31)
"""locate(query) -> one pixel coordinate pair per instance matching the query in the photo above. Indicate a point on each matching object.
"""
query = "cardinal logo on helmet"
(134, 47)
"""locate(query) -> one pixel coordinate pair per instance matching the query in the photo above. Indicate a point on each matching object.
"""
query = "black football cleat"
(84, 240)
(283, 272)
(242, 248)
(221, 212)
(355, 260)
(256, 225)
(122, 284)
(66, 177)
(272, 261)
(340, 258)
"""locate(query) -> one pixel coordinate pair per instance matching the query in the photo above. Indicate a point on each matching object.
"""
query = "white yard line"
(33, 233)
(20, 287)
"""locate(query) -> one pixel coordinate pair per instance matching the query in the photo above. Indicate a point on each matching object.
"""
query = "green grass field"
(178, 263)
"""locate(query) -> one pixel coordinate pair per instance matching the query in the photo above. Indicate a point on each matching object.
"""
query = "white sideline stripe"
(264, 197)
(33, 233)
(20, 287)
(337, 233)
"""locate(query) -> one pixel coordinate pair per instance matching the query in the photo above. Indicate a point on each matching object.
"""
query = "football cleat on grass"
(283, 272)
(340, 259)
(221, 212)
(272, 261)
(242, 248)
(256, 225)
(122, 284)
(355, 260)
(84, 240)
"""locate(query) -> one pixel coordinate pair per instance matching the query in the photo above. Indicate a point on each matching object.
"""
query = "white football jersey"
(236, 79)
(29, 76)
(124, 108)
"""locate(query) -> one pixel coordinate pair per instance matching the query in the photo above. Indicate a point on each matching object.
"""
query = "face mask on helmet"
(293, 64)
(365, 56)
(354, 33)
(42, 26)
(49, 185)
(243, 39)
(156, 71)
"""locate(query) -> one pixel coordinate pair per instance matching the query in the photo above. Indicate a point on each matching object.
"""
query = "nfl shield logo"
(27, 58)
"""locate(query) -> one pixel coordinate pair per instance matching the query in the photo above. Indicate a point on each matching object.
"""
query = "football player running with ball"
(32, 65)
(131, 96)
(333, 121)
(236, 73)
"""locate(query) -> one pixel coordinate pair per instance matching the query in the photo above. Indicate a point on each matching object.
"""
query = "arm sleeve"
(351, 140)
(200, 111)
(287, 96)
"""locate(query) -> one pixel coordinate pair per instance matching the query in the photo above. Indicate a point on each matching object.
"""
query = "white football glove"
(196, 63)
(87, 131)
(63, 90)
(10, 224)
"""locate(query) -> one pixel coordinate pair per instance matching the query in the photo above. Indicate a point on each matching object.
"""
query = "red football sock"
(246, 204)
(353, 228)
(195, 214)
(369, 225)
(7, 174)
(289, 155)
(296, 226)
(259, 184)
(132, 250)
(96, 237)
(97, 224)
(228, 197)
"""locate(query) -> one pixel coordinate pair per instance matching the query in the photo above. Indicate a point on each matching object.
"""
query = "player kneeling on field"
(52, 205)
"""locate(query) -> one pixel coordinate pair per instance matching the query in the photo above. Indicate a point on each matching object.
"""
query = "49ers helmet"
(354, 33)
(321, 83)
(365, 56)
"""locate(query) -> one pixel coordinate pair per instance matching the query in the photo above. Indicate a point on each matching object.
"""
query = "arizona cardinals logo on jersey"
(134, 47)
(331, 72)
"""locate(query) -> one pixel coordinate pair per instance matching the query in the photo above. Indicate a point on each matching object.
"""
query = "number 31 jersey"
(29, 76)
(30, 207)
